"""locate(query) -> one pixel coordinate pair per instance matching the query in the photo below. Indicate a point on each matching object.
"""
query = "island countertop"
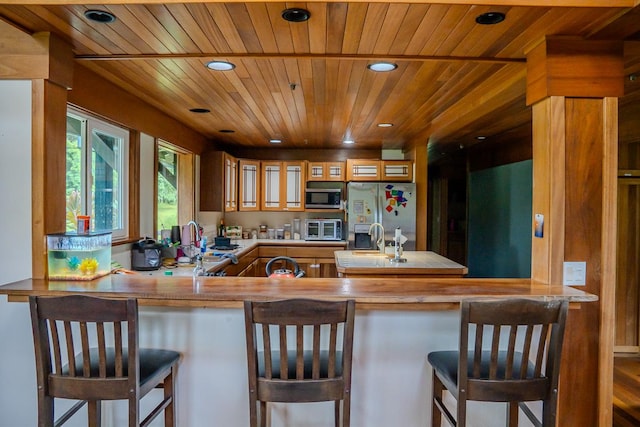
(369, 293)
(418, 264)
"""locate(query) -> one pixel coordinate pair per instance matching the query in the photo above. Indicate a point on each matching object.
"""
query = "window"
(97, 174)
(167, 186)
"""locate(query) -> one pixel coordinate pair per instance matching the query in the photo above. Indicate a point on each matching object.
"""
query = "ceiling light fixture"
(200, 110)
(226, 131)
(296, 14)
(275, 141)
(348, 141)
(220, 65)
(101, 16)
(490, 18)
(481, 138)
(385, 125)
(381, 67)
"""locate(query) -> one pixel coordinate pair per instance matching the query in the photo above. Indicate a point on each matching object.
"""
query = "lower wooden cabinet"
(315, 261)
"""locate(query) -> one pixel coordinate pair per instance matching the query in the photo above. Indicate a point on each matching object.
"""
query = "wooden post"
(573, 85)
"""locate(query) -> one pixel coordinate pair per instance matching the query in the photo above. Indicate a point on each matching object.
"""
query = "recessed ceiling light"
(220, 65)
(226, 131)
(296, 14)
(481, 138)
(490, 18)
(385, 125)
(348, 141)
(382, 66)
(199, 110)
(100, 16)
(275, 141)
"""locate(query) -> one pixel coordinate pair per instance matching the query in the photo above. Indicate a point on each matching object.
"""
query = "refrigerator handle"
(378, 215)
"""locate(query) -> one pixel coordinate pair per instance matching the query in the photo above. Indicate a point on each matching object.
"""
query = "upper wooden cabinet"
(248, 185)
(325, 171)
(363, 170)
(218, 181)
(397, 170)
(283, 186)
(379, 170)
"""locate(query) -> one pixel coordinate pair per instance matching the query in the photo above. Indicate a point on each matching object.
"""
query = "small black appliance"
(145, 255)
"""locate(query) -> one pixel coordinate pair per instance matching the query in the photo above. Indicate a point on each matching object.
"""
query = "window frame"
(89, 124)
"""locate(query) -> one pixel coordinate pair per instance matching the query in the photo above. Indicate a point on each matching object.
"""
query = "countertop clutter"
(215, 260)
(365, 263)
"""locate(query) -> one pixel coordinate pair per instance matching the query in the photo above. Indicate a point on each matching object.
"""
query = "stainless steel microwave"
(323, 198)
(323, 229)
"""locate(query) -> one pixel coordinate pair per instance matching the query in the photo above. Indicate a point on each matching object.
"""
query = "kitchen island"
(397, 323)
(365, 263)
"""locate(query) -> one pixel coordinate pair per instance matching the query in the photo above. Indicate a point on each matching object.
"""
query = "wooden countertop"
(419, 263)
(369, 293)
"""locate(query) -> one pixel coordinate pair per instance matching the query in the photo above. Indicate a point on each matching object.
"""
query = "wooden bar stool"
(100, 337)
(509, 352)
(287, 367)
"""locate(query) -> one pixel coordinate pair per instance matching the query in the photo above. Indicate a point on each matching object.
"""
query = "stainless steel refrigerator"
(390, 204)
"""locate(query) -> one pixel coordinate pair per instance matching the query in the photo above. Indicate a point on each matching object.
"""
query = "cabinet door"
(230, 183)
(249, 185)
(397, 170)
(363, 170)
(271, 186)
(334, 171)
(294, 186)
(325, 171)
(316, 171)
(327, 267)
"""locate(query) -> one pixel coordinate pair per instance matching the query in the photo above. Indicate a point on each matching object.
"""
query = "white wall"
(17, 365)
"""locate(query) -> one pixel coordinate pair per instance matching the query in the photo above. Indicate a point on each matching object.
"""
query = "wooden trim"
(134, 186)
(608, 262)
(421, 176)
(568, 66)
(186, 188)
(549, 182)
(48, 157)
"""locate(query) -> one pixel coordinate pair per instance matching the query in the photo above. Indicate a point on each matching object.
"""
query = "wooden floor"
(626, 391)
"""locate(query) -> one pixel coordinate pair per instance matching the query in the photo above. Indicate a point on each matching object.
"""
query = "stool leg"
(169, 389)
(95, 414)
(263, 414)
(45, 410)
(512, 414)
(437, 392)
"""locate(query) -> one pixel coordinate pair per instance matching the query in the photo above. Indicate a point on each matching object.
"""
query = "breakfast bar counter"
(378, 293)
(398, 322)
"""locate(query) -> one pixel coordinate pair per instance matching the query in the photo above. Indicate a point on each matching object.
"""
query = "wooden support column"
(48, 62)
(573, 86)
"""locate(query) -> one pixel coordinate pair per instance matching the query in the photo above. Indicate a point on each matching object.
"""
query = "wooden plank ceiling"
(308, 84)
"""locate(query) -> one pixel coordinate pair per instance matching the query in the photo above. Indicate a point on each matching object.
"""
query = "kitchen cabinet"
(325, 171)
(248, 185)
(397, 170)
(315, 261)
(283, 186)
(363, 170)
(216, 168)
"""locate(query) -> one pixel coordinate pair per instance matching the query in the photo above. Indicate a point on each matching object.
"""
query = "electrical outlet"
(574, 274)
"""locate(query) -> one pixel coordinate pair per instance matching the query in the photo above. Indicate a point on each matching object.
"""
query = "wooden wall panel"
(627, 328)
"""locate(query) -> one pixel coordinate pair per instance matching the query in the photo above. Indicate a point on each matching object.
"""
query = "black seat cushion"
(151, 361)
(308, 360)
(445, 363)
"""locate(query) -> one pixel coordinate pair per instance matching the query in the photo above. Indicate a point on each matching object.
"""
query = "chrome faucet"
(380, 241)
(195, 224)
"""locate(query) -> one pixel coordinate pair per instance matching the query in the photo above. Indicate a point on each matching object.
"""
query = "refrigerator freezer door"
(398, 209)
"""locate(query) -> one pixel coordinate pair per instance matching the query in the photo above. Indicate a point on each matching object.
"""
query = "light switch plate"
(574, 274)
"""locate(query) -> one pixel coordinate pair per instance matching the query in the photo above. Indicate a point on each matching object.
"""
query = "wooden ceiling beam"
(223, 56)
